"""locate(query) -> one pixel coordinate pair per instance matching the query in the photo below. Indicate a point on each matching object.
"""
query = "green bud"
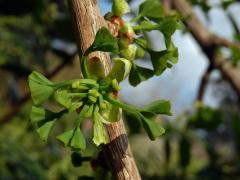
(92, 99)
(93, 92)
(120, 7)
(84, 84)
(78, 85)
(102, 104)
(115, 85)
(129, 53)
(127, 28)
(139, 53)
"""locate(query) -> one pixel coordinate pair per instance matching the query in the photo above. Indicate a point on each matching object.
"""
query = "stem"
(65, 83)
(84, 67)
(139, 28)
(81, 95)
(122, 105)
(80, 117)
(136, 18)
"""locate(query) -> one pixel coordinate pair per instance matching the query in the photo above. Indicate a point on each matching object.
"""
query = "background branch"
(203, 83)
(209, 43)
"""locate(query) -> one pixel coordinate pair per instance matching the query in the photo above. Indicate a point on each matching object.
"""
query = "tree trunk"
(87, 19)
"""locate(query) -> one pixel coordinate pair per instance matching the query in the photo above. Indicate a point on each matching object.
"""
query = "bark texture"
(87, 19)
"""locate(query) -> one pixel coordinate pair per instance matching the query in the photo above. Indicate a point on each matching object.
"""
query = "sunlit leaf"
(159, 107)
(45, 129)
(110, 114)
(120, 7)
(152, 9)
(66, 137)
(40, 87)
(61, 96)
(78, 140)
(100, 135)
(39, 114)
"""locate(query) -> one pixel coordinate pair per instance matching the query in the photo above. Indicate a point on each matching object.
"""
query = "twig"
(203, 83)
(166, 7)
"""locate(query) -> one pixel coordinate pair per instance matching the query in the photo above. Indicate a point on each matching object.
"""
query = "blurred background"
(202, 138)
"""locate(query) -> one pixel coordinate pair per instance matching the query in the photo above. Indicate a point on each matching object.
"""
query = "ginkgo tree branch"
(203, 83)
(209, 43)
(87, 20)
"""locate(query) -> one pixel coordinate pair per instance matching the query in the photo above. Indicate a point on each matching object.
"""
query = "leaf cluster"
(94, 96)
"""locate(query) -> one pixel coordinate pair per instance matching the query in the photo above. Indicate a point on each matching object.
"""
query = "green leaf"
(152, 9)
(40, 87)
(78, 140)
(120, 7)
(65, 137)
(61, 96)
(140, 52)
(95, 68)
(45, 129)
(89, 111)
(104, 41)
(168, 25)
(110, 114)
(139, 74)
(39, 114)
(120, 70)
(159, 107)
(161, 59)
(152, 128)
(141, 42)
(100, 135)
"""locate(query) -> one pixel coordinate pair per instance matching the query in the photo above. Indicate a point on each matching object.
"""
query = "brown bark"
(209, 44)
(87, 20)
(203, 84)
